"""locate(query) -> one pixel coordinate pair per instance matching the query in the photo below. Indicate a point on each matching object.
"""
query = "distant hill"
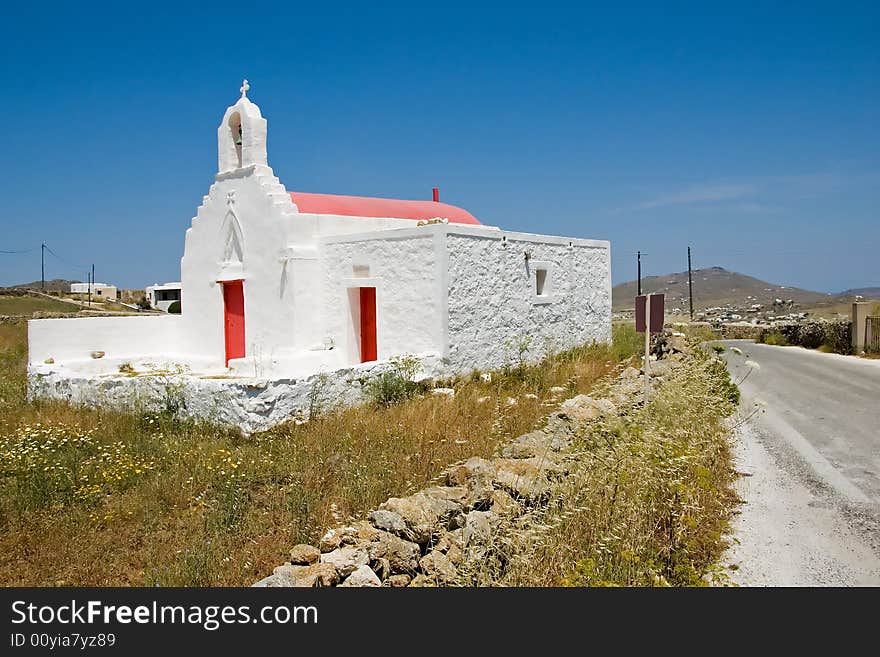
(55, 285)
(715, 286)
(867, 292)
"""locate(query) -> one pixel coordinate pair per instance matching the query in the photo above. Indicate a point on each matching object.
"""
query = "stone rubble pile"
(433, 537)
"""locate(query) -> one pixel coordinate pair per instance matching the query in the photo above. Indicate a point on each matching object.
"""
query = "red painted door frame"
(233, 319)
(368, 324)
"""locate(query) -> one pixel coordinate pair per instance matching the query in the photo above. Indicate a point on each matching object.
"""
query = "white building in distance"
(282, 286)
(100, 290)
(162, 296)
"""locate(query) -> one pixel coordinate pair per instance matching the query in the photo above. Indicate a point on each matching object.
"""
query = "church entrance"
(233, 319)
(368, 324)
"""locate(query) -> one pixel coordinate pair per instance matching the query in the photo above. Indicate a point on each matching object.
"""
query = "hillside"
(27, 305)
(713, 287)
(867, 292)
(55, 285)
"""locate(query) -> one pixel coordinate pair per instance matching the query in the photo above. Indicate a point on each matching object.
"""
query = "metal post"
(690, 285)
(639, 260)
(43, 267)
(647, 346)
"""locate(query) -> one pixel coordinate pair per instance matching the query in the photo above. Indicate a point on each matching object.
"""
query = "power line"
(67, 262)
(9, 252)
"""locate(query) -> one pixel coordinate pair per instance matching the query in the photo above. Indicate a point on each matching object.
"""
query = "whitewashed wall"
(403, 267)
(492, 301)
(274, 253)
(251, 208)
(74, 339)
(468, 293)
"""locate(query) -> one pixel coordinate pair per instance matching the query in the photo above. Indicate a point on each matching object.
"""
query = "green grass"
(26, 306)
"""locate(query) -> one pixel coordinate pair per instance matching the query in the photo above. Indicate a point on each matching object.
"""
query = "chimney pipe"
(436, 195)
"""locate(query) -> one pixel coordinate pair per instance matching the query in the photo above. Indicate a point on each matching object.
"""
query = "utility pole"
(647, 367)
(43, 267)
(690, 284)
(639, 260)
(89, 286)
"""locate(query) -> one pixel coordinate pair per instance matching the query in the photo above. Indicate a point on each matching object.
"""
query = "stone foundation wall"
(251, 404)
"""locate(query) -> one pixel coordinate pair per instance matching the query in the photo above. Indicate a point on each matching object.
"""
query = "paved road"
(811, 460)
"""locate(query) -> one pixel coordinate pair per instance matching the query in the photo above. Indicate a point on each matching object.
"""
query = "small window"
(361, 271)
(540, 281)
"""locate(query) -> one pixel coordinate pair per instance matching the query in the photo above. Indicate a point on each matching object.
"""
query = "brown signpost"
(657, 312)
(650, 309)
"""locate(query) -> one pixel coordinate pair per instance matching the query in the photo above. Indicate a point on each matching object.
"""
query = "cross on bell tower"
(244, 89)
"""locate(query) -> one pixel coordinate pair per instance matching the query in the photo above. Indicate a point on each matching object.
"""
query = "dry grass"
(25, 306)
(651, 497)
(103, 498)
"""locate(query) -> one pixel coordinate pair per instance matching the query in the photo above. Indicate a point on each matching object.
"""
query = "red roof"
(368, 206)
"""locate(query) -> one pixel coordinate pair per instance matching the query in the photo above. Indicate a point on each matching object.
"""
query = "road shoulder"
(790, 531)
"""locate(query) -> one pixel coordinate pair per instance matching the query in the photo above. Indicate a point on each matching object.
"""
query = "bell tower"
(241, 136)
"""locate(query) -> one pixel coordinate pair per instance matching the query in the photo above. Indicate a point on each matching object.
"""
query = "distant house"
(162, 296)
(99, 290)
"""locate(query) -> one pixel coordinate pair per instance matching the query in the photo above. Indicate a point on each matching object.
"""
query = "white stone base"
(251, 404)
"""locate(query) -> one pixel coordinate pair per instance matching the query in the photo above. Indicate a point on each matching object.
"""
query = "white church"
(279, 286)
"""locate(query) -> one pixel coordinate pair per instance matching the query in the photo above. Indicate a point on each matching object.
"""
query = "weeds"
(209, 507)
(775, 338)
(396, 384)
(649, 502)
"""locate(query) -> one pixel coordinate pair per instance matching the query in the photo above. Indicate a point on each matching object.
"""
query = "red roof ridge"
(370, 206)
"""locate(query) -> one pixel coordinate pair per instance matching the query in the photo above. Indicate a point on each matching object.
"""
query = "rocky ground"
(462, 529)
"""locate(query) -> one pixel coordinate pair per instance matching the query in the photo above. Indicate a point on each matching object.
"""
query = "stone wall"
(249, 404)
(459, 530)
(834, 335)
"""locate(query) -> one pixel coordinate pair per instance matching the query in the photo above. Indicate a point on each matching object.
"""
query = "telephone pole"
(639, 261)
(690, 284)
(43, 267)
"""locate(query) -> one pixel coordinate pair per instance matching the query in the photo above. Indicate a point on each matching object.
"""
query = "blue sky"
(749, 132)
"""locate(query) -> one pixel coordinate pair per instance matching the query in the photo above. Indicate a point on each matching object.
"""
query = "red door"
(368, 324)
(233, 319)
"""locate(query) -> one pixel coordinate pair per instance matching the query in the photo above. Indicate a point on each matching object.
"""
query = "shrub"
(829, 336)
(174, 308)
(838, 337)
(775, 338)
(395, 385)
